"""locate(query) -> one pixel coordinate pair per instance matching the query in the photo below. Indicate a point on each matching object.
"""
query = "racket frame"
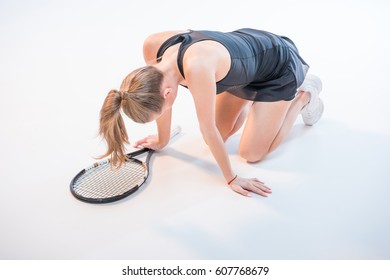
(130, 157)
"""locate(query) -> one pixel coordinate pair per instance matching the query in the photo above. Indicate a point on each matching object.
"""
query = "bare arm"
(164, 128)
(159, 141)
(201, 83)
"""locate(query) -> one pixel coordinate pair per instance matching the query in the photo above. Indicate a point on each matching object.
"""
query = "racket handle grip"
(175, 131)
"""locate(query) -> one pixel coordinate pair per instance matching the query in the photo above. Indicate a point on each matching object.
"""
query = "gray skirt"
(274, 83)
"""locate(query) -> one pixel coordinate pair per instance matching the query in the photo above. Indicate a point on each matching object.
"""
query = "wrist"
(232, 180)
(162, 145)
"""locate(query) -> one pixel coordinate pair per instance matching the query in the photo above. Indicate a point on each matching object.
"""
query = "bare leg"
(267, 125)
(230, 113)
(241, 119)
(298, 103)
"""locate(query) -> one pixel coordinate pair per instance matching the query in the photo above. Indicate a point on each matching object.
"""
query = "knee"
(252, 156)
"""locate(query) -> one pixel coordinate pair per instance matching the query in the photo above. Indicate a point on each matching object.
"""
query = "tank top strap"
(176, 39)
(185, 39)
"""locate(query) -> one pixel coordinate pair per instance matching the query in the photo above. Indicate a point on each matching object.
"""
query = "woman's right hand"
(246, 186)
(151, 142)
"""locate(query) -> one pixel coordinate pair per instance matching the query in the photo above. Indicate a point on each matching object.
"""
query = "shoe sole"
(321, 109)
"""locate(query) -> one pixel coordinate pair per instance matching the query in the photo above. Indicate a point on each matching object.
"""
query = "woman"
(243, 75)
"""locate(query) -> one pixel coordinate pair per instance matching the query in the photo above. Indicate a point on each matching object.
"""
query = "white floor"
(331, 182)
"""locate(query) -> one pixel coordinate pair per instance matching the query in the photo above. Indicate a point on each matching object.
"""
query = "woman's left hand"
(246, 186)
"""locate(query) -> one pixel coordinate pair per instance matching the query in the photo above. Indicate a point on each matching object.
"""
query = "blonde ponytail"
(112, 127)
(138, 98)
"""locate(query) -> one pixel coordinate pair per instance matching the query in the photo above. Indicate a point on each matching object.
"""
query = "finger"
(141, 142)
(145, 145)
(240, 190)
(263, 188)
(259, 191)
(261, 185)
(260, 182)
(257, 180)
(137, 143)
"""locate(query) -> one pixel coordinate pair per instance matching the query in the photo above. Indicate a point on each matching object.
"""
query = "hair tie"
(121, 94)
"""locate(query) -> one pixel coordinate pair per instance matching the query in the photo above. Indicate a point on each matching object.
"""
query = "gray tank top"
(261, 62)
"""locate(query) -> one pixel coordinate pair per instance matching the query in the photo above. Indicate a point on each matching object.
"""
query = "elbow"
(208, 133)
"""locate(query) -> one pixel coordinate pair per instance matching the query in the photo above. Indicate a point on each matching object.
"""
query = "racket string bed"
(104, 181)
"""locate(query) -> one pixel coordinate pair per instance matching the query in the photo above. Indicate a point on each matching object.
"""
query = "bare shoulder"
(208, 57)
(153, 42)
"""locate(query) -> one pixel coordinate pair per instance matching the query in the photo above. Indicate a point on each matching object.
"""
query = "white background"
(330, 182)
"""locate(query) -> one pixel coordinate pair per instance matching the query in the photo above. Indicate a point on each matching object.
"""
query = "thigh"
(263, 124)
(228, 110)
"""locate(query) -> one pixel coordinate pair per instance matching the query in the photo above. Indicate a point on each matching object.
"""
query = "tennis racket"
(101, 183)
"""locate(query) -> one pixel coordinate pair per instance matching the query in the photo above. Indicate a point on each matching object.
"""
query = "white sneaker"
(312, 111)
